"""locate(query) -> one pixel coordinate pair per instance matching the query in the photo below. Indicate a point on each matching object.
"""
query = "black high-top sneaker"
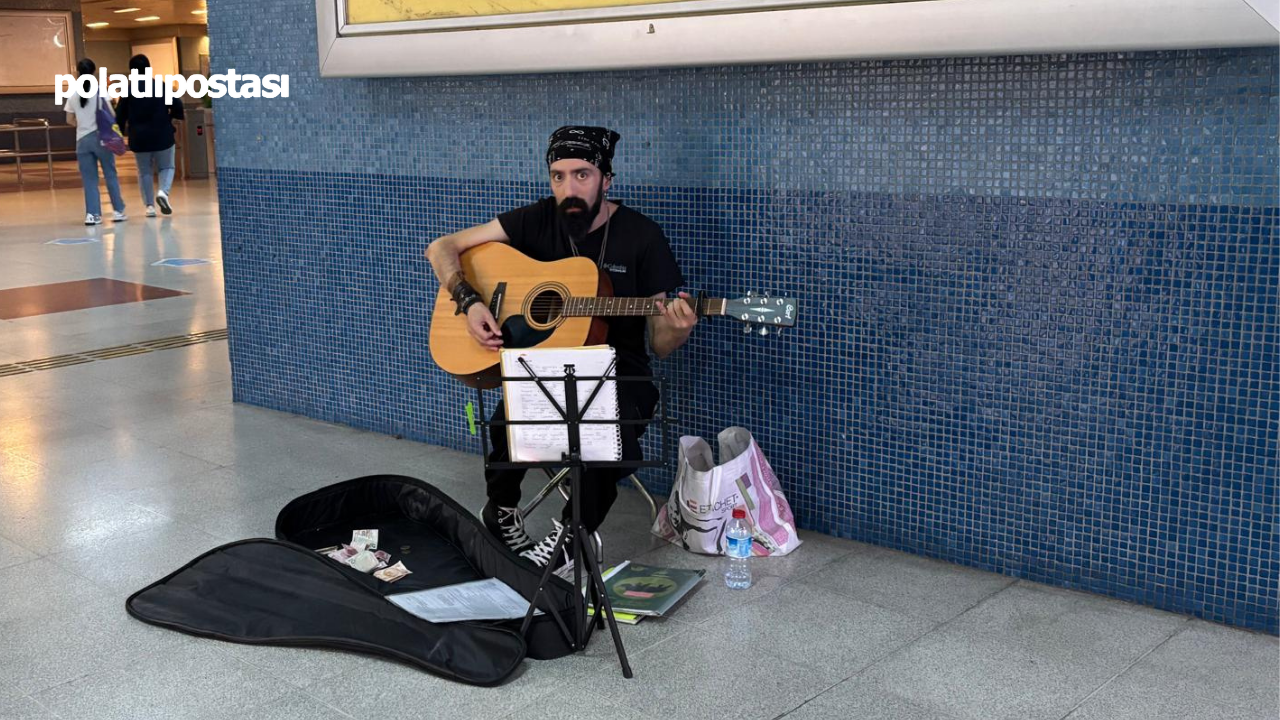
(506, 524)
(540, 554)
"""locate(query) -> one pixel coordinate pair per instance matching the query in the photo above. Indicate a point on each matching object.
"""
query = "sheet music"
(489, 599)
(526, 401)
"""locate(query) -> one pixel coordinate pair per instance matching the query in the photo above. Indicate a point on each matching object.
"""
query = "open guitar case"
(282, 592)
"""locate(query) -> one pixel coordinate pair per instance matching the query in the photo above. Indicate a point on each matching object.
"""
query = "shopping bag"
(697, 514)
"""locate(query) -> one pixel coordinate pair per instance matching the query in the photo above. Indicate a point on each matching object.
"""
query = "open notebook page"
(526, 401)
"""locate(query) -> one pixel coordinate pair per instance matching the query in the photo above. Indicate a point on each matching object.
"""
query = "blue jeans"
(149, 162)
(90, 153)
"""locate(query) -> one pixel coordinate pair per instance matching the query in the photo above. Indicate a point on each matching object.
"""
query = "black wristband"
(465, 296)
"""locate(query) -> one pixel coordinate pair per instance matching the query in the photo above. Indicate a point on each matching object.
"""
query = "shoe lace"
(566, 571)
(512, 524)
(541, 553)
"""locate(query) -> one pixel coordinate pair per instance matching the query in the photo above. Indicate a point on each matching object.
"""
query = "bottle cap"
(739, 514)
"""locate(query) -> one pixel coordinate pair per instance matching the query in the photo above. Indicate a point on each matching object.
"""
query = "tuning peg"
(747, 328)
(764, 330)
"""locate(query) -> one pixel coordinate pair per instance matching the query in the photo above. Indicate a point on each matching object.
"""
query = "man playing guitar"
(633, 251)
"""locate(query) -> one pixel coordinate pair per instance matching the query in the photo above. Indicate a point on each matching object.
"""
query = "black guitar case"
(281, 592)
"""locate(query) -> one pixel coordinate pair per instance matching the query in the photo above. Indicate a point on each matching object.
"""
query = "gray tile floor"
(114, 473)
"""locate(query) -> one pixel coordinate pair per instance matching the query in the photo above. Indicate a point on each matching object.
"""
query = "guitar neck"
(622, 306)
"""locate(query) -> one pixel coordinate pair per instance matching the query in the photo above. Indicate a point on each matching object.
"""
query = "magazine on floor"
(647, 590)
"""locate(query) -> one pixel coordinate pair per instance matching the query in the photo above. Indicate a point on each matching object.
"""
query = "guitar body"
(528, 314)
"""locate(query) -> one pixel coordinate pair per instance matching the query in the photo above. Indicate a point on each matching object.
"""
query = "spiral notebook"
(526, 401)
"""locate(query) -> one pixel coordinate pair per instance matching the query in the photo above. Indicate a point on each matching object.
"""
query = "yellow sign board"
(362, 12)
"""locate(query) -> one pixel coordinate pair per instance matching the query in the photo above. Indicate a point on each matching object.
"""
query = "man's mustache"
(572, 203)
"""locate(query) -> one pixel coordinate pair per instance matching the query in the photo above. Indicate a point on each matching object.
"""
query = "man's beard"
(578, 223)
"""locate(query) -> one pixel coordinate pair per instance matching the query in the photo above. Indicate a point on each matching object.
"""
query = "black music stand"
(583, 552)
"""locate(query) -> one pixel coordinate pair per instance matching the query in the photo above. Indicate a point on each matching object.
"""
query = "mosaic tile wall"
(1039, 294)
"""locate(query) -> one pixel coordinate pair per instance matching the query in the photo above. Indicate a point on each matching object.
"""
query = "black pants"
(599, 487)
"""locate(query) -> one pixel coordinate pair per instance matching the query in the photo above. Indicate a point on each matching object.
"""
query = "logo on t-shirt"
(615, 268)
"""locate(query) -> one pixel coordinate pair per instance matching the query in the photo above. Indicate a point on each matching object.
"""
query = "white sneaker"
(162, 199)
(91, 219)
(119, 217)
(151, 211)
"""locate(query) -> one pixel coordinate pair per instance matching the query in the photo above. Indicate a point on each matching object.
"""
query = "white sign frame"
(684, 34)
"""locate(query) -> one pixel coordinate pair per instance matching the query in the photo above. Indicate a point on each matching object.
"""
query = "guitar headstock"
(762, 311)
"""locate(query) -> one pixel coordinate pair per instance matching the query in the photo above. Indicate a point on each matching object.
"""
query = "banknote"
(364, 561)
(342, 554)
(393, 573)
(365, 539)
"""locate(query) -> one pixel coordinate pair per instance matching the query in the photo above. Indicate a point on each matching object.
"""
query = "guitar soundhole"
(546, 308)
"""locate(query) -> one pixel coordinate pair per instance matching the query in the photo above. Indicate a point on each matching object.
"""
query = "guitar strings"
(546, 306)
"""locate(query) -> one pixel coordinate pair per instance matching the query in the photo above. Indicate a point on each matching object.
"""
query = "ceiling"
(170, 12)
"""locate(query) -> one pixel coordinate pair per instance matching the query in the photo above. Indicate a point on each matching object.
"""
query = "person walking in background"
(148, 124)
(82, 112)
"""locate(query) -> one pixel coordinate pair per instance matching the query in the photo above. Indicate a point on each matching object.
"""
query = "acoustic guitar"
(558, 304)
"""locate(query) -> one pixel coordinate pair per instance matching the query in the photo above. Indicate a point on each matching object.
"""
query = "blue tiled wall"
(1039, 294)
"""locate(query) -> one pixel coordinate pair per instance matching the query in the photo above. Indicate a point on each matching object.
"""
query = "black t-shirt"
(637, 259)
(148, 122)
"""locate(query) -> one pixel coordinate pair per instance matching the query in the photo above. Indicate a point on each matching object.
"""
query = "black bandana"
(593, 144)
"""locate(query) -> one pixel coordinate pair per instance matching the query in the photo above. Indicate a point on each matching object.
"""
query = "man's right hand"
(483, 327)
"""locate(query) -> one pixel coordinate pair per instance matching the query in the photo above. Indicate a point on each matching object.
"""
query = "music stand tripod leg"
(542, 585)
(603, 606)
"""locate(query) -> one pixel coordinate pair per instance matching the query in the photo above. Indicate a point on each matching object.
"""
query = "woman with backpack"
(82, 112)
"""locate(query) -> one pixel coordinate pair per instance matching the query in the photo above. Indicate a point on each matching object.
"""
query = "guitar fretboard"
(619, 306)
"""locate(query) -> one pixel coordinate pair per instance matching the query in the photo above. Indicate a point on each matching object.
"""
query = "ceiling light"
(148, 18)
(97, 25)
(126, 10)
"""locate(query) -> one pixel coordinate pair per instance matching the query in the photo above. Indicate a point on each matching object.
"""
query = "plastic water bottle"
(738, 576)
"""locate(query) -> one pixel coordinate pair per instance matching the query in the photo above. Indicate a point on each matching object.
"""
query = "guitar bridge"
(495, 302)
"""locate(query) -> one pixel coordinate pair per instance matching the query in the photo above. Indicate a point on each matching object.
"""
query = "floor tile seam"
(861, 601)
(55, 686)
(133, 671)
(801, 576)
(15, 451)
(38, 555)
(901, 648)
(1176, 631)
(103, 591)
(319, 680)
(812, 698)
(1012, 582)
(303, 691)
(1074, 596)
(513, 715)
(119, 495)
(695, 627)
(123, 533)
(714, 576)
(44, 707)
(175, 523)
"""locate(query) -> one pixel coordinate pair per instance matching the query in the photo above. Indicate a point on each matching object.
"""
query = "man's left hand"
(677, 315)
